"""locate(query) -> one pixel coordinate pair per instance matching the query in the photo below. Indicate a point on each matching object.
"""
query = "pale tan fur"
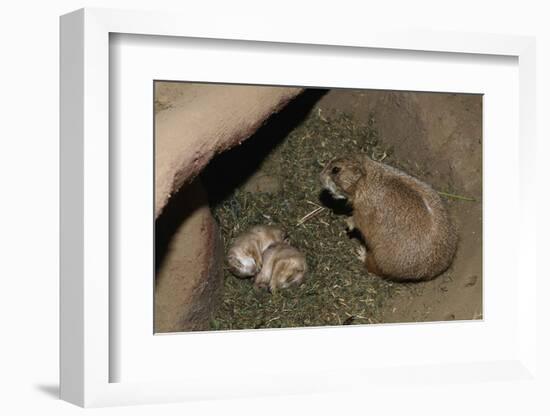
(405, 225)
(244, 257)
(283, 266)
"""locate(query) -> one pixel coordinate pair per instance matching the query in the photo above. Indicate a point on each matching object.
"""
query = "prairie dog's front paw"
(361, 253)
(350, 224)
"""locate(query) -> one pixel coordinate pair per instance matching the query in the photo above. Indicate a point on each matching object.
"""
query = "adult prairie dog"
(283, 266)
(405, 225)
(245, 254)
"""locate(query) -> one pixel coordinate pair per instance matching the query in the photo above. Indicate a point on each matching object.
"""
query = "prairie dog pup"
(283, 266)
(406, 227)
(245, 254)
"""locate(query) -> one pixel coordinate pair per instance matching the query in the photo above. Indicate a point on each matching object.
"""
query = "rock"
(194, 122)
(260, 182)
(189, 255)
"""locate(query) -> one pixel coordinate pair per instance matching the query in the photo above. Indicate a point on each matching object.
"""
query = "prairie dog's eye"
(335, 170)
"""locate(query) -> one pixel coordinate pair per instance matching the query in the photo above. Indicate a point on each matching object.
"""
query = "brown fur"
(406, 227)
(283, 266)
(372, 267)
(245, 255)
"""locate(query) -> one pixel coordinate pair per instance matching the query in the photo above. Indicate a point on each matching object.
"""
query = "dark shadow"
(180, 207)
(232, 168)
(341, 207)
(355, 234)
(229, 170)
(51, 390)
(338, 206)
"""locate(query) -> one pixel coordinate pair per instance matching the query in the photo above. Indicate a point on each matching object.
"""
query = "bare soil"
(438, 138)
(273, 178)
(189, 258)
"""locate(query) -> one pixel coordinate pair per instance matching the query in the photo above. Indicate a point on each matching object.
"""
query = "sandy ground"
(193, 122)
(188, 262)
(439, 137)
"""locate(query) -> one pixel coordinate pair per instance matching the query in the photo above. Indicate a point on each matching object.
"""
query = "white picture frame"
(86, 355)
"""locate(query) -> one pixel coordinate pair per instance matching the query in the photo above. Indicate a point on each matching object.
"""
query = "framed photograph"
(270, 212)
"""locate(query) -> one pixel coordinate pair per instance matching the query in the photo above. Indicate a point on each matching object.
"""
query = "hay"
(337, 289)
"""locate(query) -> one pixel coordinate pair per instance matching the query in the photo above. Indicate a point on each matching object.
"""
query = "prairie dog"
(245, 254)
(283, 266)
(406, 227)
